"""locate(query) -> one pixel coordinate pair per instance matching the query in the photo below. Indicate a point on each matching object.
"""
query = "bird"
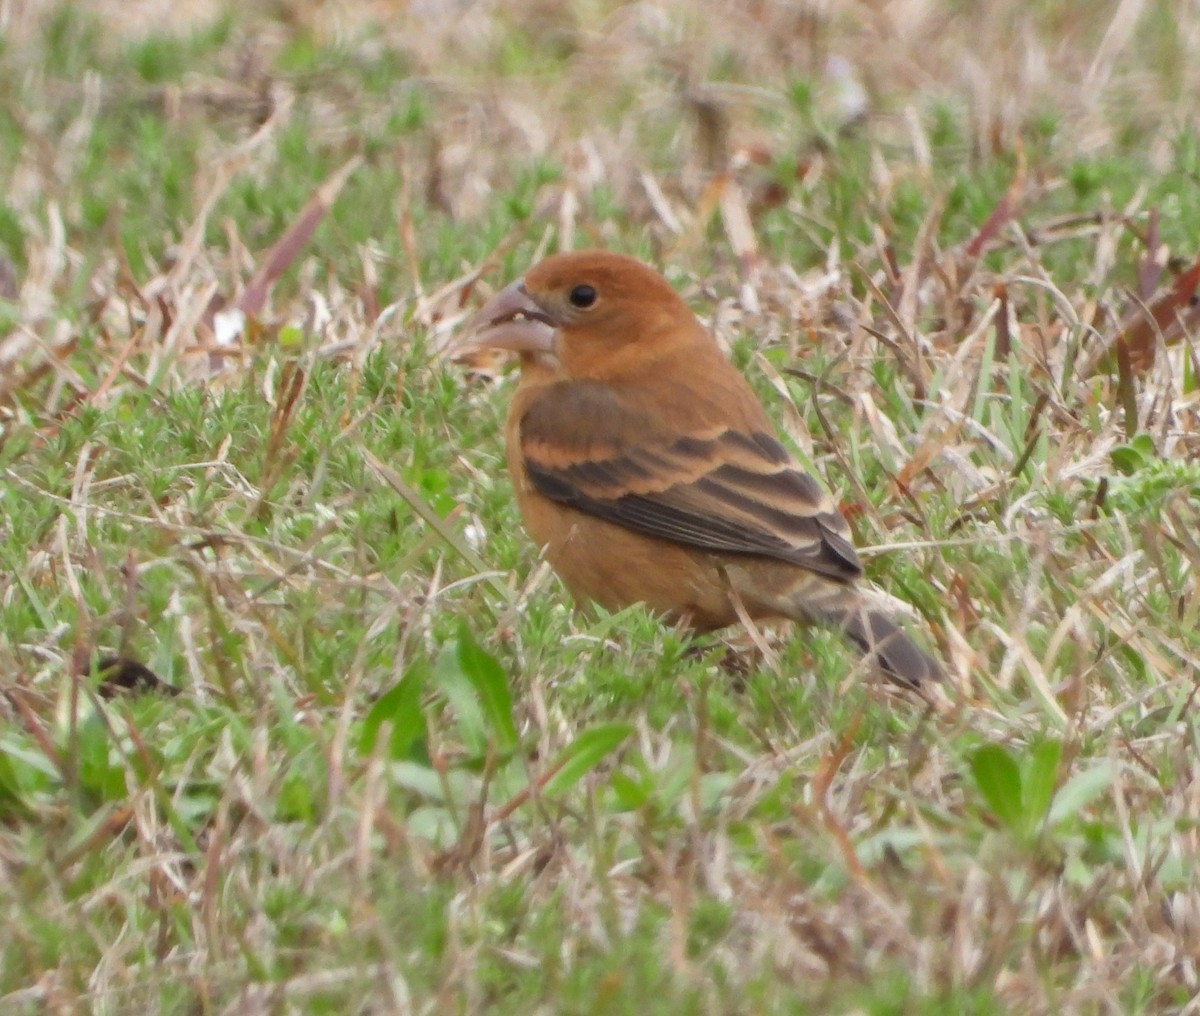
(649, 472)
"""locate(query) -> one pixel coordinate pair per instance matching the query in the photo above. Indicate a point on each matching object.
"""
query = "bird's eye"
(582, 296)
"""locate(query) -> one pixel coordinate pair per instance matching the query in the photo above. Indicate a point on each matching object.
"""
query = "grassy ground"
(954, 246)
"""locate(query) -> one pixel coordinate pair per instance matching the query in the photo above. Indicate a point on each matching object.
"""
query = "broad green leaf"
(1080, 791)
(1039, 779)
(30, 759)
(1144, 444)
(491, 684)
(400, 706)
(1126, 459)
(999, 781)
(11, 798)
(451, 680)
(1134, 456)
(584, 753)
(630, 794)
(99, 774)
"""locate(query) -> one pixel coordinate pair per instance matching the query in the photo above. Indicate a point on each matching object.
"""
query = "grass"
(400, 772)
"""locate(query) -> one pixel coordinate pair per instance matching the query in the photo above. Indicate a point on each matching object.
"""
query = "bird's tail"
(889, 648)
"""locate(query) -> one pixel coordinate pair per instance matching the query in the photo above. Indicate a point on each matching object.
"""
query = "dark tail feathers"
(889, 648)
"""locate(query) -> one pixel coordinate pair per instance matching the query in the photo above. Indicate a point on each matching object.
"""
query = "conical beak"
(511, 320)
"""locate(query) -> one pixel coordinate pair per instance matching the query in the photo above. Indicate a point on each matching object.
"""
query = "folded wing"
(714, 488)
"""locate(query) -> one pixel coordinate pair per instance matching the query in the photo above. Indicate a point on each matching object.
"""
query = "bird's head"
(599, 315)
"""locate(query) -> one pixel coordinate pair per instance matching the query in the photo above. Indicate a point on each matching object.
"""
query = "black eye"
(582, 296)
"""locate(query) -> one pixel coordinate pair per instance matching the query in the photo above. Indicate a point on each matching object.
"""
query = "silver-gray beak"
(511, 320)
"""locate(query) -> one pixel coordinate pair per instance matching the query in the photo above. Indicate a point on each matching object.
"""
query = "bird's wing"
(716, 488)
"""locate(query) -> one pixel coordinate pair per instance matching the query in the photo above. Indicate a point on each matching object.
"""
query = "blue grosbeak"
(647, 468)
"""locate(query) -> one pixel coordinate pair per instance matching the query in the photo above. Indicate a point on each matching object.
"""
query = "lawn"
(370, 758)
